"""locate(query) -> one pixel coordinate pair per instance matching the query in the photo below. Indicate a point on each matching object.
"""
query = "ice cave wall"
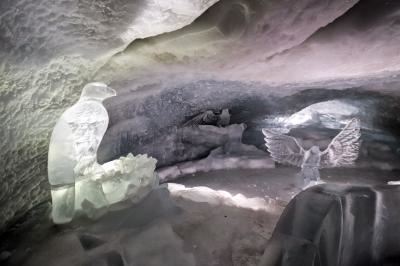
(49, 50)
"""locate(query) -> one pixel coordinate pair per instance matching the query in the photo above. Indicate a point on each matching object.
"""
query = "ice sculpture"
(342, 151)
(78, 182)
(210, 117)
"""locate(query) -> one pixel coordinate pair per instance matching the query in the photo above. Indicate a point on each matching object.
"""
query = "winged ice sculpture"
(342, 151)
(210, 117)
(79, 184)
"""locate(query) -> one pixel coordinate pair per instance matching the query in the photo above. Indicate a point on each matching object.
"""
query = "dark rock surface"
(152, 122)
(338, 225)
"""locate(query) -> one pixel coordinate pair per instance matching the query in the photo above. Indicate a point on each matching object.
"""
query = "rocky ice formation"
(231, 154)
(338, 225)
(128, 178)
(249, 158)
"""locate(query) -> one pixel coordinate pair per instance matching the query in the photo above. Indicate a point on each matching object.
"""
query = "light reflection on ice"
(329, 114)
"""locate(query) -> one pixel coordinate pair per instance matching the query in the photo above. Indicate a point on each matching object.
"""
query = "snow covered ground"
(216, 218)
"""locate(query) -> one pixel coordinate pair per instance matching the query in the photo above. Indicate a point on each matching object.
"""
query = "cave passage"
(196, 81)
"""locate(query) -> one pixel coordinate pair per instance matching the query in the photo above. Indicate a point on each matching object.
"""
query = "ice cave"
(200, 132)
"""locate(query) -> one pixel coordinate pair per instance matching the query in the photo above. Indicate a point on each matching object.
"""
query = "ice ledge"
(221, 197)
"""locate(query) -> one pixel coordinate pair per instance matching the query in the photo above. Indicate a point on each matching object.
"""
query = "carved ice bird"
(210, 117)
(73, 147)
(224, 118)
(342, 151)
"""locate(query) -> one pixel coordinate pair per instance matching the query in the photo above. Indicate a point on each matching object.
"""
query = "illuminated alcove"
(301, 68)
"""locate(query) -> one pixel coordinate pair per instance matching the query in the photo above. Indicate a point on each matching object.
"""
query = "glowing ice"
(78, 182)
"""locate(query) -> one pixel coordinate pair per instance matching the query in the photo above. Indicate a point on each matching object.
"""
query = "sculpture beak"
(111, 91)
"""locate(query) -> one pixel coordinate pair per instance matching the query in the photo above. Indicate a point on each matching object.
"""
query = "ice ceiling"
(171, 59)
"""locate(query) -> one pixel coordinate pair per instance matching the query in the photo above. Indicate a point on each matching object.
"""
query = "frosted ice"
(78, 182)
(129, 177)
(73, 147)
(341, 152)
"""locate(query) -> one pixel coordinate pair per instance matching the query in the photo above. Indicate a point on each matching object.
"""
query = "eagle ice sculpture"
(79, 184)
(342, 151)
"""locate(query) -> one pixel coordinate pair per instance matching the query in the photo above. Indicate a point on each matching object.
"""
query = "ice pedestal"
(63, 199)
(90, 198)
(130, 177)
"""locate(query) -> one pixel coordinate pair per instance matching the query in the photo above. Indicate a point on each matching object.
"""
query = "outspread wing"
(284, 149)
(344, 148)
(207, 117)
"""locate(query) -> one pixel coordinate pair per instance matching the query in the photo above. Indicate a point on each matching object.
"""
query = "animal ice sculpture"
(210, 117)
(78, 182)
(342, 151)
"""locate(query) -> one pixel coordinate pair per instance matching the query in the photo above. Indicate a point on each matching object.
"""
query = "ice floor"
(203, 221)
(282, 183)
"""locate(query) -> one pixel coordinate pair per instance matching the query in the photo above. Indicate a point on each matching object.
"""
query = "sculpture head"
(225, 112)
(97, 91)
(315, 150)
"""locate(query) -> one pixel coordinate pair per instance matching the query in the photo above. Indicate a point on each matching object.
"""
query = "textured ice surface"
(232, 36)
(335, 225)
(49, 50)
(129, 177)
